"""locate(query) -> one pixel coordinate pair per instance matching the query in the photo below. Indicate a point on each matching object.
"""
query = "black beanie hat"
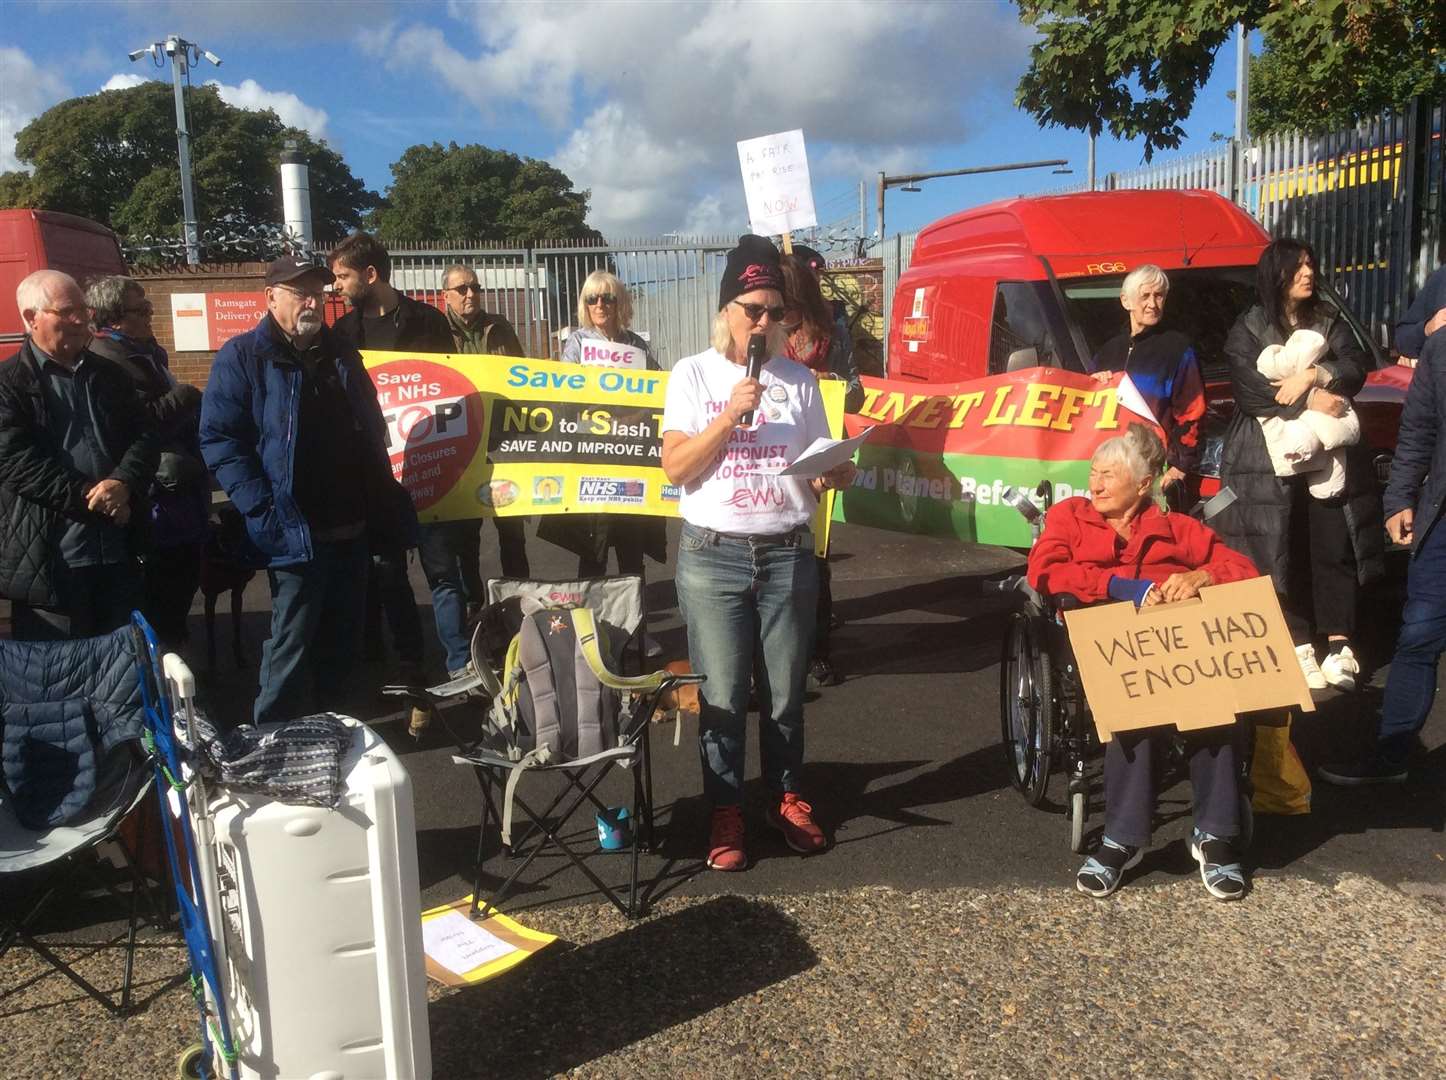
(753, 264)
(811, 259)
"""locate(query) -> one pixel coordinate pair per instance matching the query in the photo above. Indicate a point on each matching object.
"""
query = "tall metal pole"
(863, 206)
(881, 207)
(1092, 161)
(177, 49)
(1242, 85)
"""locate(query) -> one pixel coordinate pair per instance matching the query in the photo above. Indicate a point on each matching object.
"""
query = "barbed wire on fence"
(230, 238)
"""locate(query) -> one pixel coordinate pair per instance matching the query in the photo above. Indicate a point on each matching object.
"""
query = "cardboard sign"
(595, 352)
(203, 322)
(775, 180)
(1194, 664)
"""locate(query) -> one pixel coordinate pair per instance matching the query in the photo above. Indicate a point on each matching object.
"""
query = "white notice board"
(775, 180)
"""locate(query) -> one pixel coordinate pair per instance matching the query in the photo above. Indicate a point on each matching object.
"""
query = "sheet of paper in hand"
(1195, 664)
(824, 454)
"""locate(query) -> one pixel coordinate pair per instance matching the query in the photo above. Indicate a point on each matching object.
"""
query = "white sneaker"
(1340, 668)
(1314, 677)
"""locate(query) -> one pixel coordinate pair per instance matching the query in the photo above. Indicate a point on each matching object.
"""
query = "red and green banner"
(941, 455)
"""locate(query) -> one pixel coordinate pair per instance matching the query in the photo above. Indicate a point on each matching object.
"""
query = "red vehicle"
(1032, 282)
(33, 240)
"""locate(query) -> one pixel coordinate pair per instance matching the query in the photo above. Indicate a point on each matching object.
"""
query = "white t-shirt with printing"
(738, 492)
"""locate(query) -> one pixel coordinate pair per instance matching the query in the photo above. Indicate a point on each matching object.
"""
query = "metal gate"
(674, 286)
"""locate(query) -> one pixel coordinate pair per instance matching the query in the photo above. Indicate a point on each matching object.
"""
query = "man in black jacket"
(77, 459)
(1413, 502)
(383, 319)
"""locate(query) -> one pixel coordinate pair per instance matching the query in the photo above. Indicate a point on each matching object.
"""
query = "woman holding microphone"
(747, 579)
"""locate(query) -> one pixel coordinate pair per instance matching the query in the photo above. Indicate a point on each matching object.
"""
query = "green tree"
(111, 157)
(1383, 56)
(473, 192)
(1135, 69)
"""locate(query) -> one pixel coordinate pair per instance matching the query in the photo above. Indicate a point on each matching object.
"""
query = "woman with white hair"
(1118, 545)
(1162, 365)
(747, 579)
(604, 337)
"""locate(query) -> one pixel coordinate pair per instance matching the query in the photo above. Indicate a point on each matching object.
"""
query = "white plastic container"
(320, 913)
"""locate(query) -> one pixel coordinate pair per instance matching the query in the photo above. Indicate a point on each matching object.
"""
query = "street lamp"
(910, 181)
(184, 55)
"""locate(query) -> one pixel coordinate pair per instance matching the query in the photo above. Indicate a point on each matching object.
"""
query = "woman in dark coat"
(1318, 551)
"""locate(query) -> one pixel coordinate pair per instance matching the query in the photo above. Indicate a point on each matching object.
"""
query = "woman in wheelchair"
(1118, 545)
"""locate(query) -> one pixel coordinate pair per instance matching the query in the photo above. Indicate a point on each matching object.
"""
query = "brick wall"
(160, 284)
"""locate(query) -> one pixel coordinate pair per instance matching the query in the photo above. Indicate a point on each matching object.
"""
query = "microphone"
(757, 354)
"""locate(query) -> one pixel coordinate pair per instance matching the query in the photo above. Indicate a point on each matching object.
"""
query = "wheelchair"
(1044, 716)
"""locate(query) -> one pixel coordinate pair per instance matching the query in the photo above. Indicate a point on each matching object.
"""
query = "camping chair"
(607, 615)
(73, 770)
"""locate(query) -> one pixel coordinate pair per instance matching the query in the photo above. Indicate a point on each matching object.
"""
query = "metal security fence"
(1369, 199)
(674, 285)
(897, 251)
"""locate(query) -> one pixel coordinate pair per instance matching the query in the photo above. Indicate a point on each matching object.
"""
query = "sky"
(640, 101)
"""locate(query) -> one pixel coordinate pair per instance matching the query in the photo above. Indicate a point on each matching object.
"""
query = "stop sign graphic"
(434, 425)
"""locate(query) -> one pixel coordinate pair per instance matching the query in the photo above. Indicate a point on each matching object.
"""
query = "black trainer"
(1371, 770)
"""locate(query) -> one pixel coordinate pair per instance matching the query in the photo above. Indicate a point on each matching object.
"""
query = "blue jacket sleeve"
(1132, 589)
(1411, 330)
(229, 438)
(1420, 428)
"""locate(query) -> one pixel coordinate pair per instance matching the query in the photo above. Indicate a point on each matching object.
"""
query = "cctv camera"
(209, 55)
(136, 54)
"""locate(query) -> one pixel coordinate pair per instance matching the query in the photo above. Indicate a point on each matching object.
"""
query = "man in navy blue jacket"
(1413, 502)
(1425, 316)
(291, 427)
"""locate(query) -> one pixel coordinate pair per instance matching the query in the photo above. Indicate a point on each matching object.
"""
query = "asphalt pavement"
(940, 934)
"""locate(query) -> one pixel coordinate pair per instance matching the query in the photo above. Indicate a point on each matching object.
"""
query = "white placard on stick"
(775, 180)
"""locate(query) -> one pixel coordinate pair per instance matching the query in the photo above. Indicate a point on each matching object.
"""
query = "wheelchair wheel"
(1078, 816)
(1026, 709)
(190, 1063)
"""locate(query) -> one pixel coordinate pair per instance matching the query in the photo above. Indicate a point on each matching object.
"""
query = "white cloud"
(26, 90)
(123, 80)
(650, 98)
(293, 111)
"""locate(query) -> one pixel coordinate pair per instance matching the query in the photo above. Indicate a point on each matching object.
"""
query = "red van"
(33, 240)
(1032, 282)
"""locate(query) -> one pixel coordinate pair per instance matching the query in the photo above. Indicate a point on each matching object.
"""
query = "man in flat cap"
(291, 427)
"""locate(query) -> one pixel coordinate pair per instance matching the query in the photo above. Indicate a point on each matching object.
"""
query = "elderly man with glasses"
(77, 457)
(291, 427)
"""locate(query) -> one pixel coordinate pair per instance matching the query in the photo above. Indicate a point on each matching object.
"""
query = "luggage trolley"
(189, 855)
(1045, 718)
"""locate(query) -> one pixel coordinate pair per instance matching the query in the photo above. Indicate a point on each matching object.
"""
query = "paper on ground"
(825, 454)
(459, 944)
(460, 950)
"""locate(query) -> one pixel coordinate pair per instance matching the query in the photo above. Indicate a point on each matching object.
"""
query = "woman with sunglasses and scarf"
(604, 317)
(747, 578)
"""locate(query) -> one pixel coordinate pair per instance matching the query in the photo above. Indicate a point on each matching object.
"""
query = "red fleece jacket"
(1079, 551)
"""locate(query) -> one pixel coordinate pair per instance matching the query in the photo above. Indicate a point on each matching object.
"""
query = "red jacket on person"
(1079, 551)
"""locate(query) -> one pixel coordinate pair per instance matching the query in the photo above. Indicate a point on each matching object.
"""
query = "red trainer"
(725, 839)
(794, 818)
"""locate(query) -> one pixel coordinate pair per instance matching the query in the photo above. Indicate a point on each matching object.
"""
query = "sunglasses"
(317, 295)
(606, 299)
(755, 312)
(463, 290)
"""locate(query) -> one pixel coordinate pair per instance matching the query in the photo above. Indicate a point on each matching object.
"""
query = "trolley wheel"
(190, 1063)
(1026, 709)
(1078, 815)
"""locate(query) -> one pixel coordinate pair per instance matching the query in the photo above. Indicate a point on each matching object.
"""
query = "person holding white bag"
(1318, 548)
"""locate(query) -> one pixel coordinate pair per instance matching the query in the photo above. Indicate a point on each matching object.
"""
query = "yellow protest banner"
(482, 436)
(1197, 663)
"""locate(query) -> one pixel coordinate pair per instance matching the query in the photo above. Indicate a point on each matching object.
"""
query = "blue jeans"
(1411, 684)
(451, 554)
(749, 607)
(317, 610)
